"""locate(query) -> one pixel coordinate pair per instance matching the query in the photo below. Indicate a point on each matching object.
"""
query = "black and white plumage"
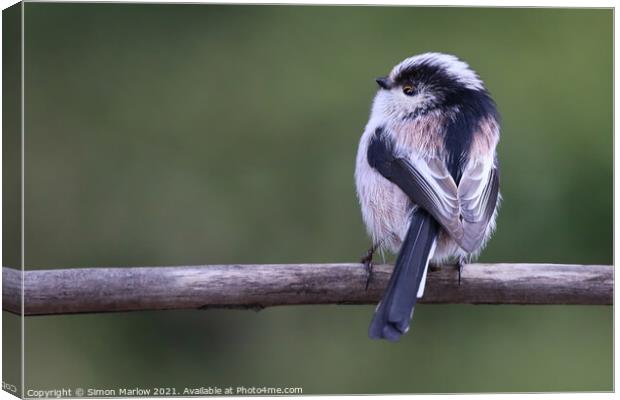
(427, 175)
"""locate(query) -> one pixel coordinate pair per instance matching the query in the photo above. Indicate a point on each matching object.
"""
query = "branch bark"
(84, 290)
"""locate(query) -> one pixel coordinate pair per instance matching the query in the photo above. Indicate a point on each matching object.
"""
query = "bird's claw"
(368, 266)
(367, 261)
(459, 266)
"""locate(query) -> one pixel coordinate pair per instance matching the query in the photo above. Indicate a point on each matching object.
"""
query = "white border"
(479, 3)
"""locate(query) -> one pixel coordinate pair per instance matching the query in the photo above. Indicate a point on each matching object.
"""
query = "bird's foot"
(368, 264)
(460, 264)
(367, 261)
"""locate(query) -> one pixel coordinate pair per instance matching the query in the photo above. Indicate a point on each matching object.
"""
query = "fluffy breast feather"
(385, 208)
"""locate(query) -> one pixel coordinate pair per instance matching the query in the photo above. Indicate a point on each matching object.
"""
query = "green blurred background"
(201, 134)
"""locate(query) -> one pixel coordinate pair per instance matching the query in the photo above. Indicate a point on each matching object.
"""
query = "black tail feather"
(394, 312)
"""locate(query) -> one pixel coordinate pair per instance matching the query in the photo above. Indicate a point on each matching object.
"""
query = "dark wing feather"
(464, 212)
(426, 182)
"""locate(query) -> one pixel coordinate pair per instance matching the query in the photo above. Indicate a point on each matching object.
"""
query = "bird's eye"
(408, 90)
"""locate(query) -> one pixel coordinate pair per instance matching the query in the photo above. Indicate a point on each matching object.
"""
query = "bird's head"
(424, 83)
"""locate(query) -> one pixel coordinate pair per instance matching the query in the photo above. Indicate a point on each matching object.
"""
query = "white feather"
(423, 282)
(458, 69)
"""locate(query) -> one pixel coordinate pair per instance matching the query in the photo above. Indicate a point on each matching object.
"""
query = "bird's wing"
(426, 182)
(478, 193)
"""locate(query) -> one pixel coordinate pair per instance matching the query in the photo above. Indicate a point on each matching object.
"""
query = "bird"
(426, 177)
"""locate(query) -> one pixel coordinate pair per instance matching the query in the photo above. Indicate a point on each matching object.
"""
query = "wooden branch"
(82, 290)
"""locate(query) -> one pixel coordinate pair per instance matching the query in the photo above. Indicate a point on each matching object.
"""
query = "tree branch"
(82, 290)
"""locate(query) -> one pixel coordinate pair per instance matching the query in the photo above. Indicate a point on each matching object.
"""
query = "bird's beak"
(384, 82)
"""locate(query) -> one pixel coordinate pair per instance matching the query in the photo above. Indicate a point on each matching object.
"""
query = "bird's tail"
(394, 312)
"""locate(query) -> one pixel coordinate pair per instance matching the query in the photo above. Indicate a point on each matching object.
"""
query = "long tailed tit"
(427, 176)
